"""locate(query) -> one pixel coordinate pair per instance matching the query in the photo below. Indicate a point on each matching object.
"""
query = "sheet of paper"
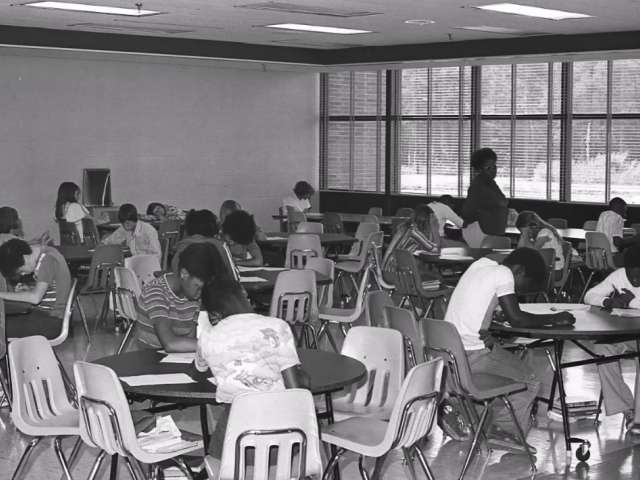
(180, 357)
(274, 269)
(163, 379)
(548, 308)
(248, 269)
(502, 250)
(455, 257)
(252, 279)
(626, 312)
(276, 238)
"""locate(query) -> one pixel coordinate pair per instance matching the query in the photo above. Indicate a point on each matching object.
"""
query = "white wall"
(189, 135)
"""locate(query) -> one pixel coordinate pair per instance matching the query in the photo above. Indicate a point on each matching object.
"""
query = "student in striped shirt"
(169, 305)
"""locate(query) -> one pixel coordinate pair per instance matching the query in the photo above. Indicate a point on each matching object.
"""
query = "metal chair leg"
(523, 439)
(5, 389)
(95, 469)
(333, 463)
(155, 472)
(125, 341)
(184, 468)
(74, 451)
(586, 287)
(83, 317)
(363, 471)
(131, 468)
(57, 447)
(474, 443)
(408, 458)
(25, 457)
(423, 463)
(324, 330)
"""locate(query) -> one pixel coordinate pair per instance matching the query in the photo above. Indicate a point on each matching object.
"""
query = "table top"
(462, 255)
(575, 234)
(279, 239)
(346, 217)
(592, 323)
(81, 253)
(270, 276)
(329, 372)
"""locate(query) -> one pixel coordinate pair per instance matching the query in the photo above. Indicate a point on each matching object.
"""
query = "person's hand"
(564, 319)
(625, 297)
(619, 299)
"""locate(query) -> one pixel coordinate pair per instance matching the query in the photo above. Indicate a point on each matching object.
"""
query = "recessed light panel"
(317, 28)
(529, 11)
(81, 7)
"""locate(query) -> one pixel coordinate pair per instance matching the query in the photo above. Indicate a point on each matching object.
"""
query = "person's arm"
(171, 342)
(424, 242)
(33, 296)
(520, 319)
(602, 291)
(255, 253)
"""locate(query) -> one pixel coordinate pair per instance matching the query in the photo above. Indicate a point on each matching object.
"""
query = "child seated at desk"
(239, 232)
(621, 289)
(245, 352)
(139, 236)
(538, 234)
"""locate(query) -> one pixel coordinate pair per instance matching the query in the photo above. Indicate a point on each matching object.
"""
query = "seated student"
(611, 223)
(299, 201)
(49, 294)
(199, 226)
(538, 234)
(481, 289)
(245, 352)
(169, 305)
(621, 289)
(239, 231)
(69, 208)
(230, 206)
(157, 211)
(10, 226)
(139, 236)
(420, 232)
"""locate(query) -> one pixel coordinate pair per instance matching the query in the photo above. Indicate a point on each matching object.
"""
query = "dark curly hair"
(240, 227)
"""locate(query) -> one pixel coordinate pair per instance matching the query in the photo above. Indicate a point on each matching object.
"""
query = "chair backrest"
(310, 227)
(443, 340)
(375, 258)
(68, 233)
(598, 254)
(127, 292)
(362, 233)
(300, 247)
(381, 350)
(104, 259)
(558, 222)
(295, 298)
(566, 268)
(105, 418)
(404, 321)
(494, 241)
(169, 235)
(377, 211)
(368, 218)
(66, 318)
(415, 408)
(39, 394)
(90, 232)
(143, 267)
(376, 314)
(327, 268)
(3, 326)
(590, 225)
(549, 257)
(404, 212)
(170, 227)
(332, 222)
(266, 421)
(407, 275)
(294, 217)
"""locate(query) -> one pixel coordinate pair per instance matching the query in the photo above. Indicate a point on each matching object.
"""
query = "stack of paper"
(179, 357)
(165, 437)
(252, 279)
(431, 285)
(162, 379)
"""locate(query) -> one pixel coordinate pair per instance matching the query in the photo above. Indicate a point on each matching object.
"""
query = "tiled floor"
(613, 455)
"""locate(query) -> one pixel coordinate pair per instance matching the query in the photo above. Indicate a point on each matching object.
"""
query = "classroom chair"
(598, 257)
(590, 225)
(295, 301)
(411, 420)
(381, 350)
(444, 341)
(362, 234)
(106, 424)
(354, 267)
(558, 222)
(280, 422)
(375, 260)
(325, 267)
(300, 247)
(332, 222)
(41, 407)
(403, 321)
(169, 235)
(496, 242)
(90, 232)
(377, 211)
(369, 219)
(310, 227)
(68, 233)
(294, 218)
(127, 293)
(6, 392)
(549, 257)
(375, 312)
(560, 284)
(404, 212)
(144, 267)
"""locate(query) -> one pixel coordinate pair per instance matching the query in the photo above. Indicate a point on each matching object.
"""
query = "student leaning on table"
(621, 289)
(139, 236)
(245, 352)
(482, 288)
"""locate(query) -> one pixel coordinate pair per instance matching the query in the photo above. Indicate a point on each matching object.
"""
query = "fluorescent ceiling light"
(81, 7)
(316, 28)
(528, 11)
(420, 21)
(501, 30)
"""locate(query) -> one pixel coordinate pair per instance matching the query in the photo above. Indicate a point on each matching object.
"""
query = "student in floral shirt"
(246, 352)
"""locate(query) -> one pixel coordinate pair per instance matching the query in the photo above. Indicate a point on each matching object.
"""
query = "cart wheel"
(583, 454)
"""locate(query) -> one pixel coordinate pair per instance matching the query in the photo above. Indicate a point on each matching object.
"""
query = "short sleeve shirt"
(247, 353)
(555, 244)
(52, 269)
(300, 204)
(158, 303)
(612, 225)
(475, 299)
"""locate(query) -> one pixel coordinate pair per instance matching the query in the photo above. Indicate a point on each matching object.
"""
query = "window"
(562, 131)
(354, 143)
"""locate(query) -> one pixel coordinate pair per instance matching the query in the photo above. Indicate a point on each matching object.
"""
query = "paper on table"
(249, 269)
(252, 279)
(180, 357)
(452, 256)
(163, 379)
(548, 308)
(626, 312)
(276, 238)
(274, 269)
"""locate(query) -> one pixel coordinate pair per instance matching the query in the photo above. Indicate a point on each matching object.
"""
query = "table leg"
(114, 467)
(205, 427)
(329, 413)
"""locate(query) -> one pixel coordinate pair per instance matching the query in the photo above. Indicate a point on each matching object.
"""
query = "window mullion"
(566, 128)
(460, 128)
(351, 128)
(607, 173)
(428, 170)
(549, 131)
(512, 180)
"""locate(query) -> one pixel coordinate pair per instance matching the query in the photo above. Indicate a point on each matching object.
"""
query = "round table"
(279, 239)
(592, 324)
(270, 276)
(462, 255)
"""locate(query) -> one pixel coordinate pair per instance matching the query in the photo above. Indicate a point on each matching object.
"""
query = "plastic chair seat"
(433, 293)
(490, 386)
(358, 434)
(65, 423)
(347, 257)
(343, 409)
(157, 457)
(333, 314)
(350, 266)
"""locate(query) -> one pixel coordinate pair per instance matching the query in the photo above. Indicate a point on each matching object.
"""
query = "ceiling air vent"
(131, 28)
(305, 9)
